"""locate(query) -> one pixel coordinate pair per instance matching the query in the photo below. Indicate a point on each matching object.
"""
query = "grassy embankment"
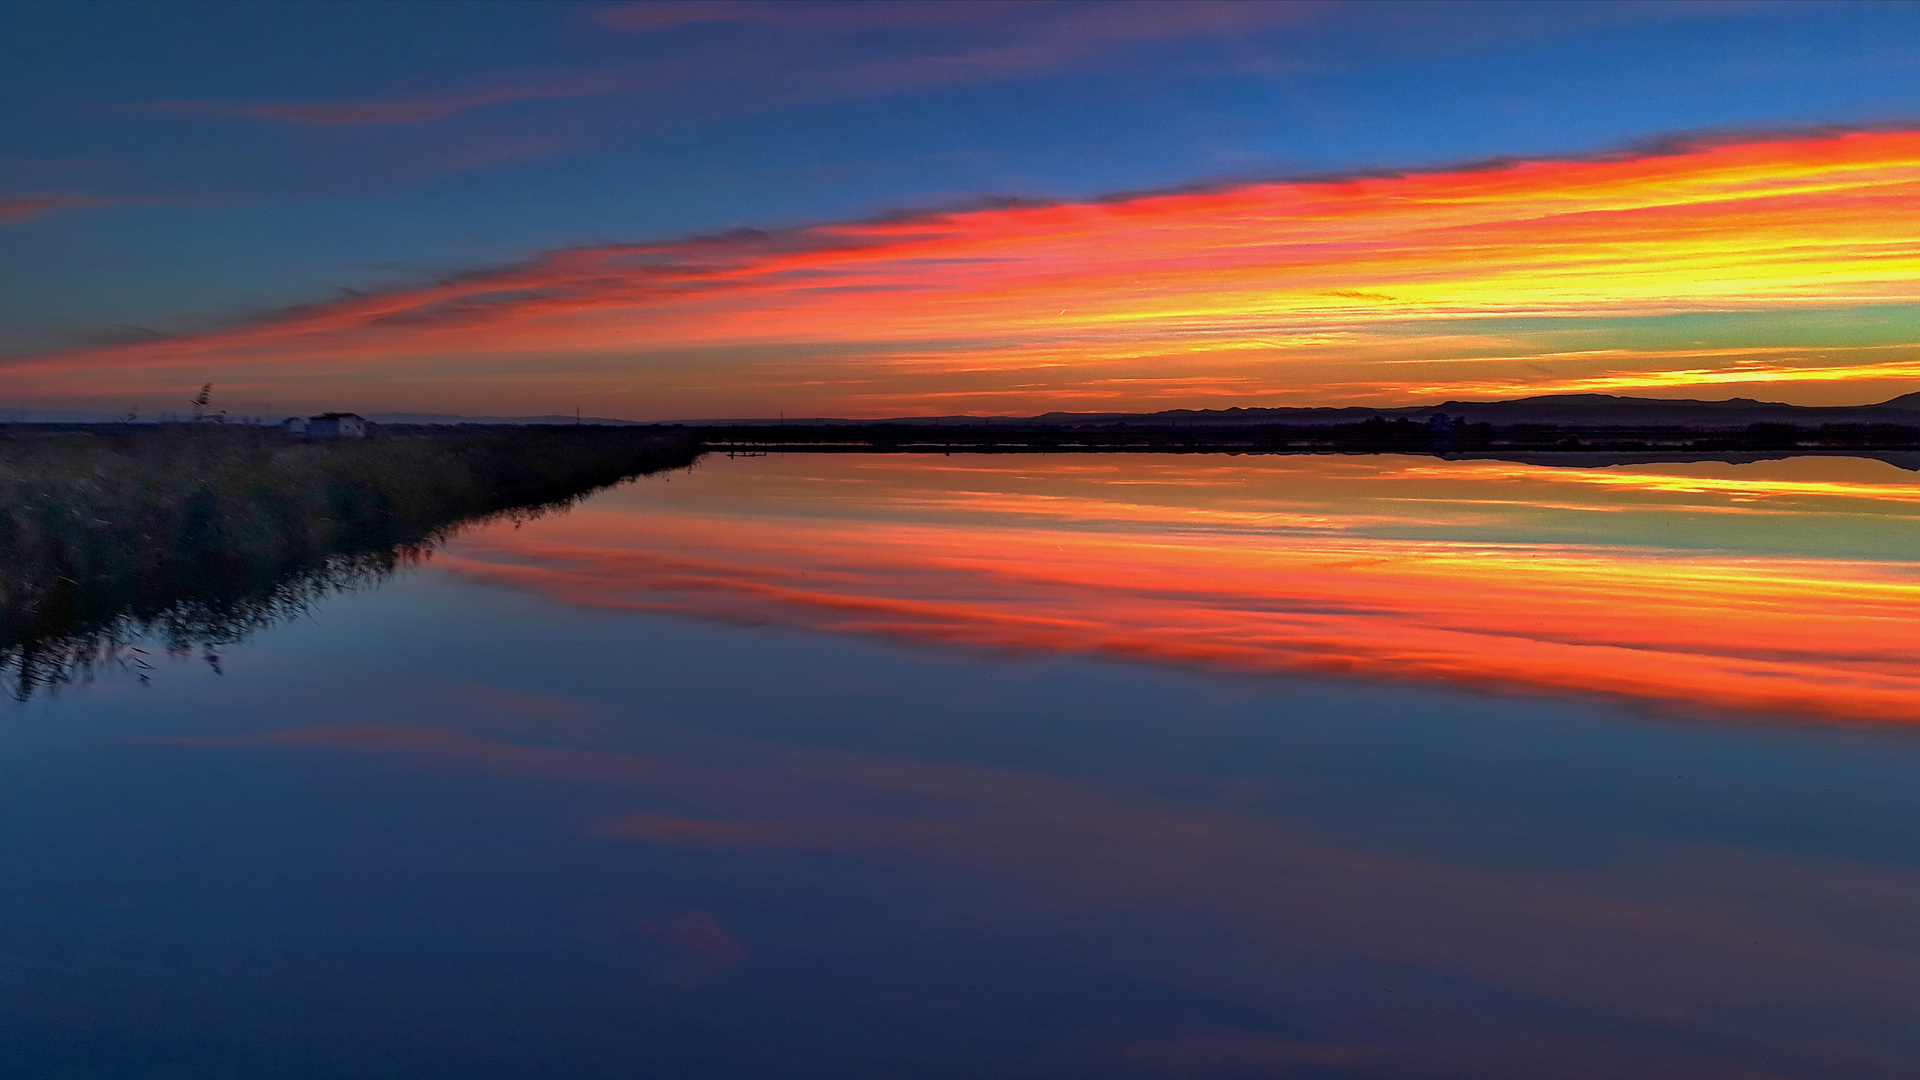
(198, 533)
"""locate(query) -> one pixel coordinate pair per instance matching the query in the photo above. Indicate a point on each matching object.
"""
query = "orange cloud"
(1323, 580)
(1301, 279)
(27, 208)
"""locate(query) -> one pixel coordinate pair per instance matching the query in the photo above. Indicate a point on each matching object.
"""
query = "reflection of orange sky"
(1326, 288)
(1488, 575)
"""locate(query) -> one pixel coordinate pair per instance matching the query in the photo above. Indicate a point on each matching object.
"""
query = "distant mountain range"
(455, 418)
(1574, 410)
(1570, 410)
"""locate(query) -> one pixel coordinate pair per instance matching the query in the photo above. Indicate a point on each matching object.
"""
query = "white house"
(336, 425)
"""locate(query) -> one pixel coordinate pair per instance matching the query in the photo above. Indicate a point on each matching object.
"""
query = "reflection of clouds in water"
(434, 744)
(1692, 936)
(1824, 638)
(708, 953)
(1513, 899)
(1218, 1056)
(1844, 484)
(666, 828)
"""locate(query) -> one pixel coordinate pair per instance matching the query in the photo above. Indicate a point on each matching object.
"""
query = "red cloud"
(32, 206)
(1191, 284)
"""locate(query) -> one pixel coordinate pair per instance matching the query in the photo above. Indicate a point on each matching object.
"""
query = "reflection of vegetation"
(192, 536)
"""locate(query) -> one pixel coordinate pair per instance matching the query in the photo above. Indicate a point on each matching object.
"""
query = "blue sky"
(174, 166)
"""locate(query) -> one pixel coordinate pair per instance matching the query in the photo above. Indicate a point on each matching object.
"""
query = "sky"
(675, 210)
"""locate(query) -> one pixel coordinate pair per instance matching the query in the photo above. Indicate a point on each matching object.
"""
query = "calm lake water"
(1025, 766)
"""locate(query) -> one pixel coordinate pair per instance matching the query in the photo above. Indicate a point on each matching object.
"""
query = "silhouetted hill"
(1560, 424)
(1904, 401)
(1573, 410)
(545, 420)
(1570, 410)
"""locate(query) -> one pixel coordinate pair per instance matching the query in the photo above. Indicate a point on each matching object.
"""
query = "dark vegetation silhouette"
(185, 537)
(1435, 434)
(1547, 424)
(202, 403)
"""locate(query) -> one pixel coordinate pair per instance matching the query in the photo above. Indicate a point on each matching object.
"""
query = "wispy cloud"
(1101, 20)
(807, 50)
(1291, 277)
(659, 14)
(965, 41)
(28, 207)
(1275, 892)
(1648, 371)
(412, 109)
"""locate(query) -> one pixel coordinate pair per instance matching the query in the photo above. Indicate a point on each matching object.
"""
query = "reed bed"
(189, 536)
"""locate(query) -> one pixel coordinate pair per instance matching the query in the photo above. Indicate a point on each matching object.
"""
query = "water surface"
(1077, 766)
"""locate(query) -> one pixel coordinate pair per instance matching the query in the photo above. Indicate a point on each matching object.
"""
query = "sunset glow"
(1389, 569)
(1382, 288)
(1052, 539)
